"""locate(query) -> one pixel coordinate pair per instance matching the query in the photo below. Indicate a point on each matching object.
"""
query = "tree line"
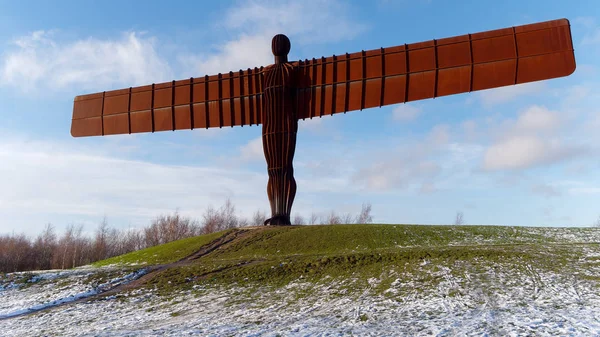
(72, 248)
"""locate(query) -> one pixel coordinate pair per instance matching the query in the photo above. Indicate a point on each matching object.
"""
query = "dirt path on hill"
(152, 271)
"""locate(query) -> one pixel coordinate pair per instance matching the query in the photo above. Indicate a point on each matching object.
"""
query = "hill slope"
(348, 279)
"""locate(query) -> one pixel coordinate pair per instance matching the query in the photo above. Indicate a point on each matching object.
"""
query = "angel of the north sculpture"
(278, 95)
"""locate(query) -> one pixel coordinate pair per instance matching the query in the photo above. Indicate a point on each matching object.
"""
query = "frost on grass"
(21, 293)
(457, 307)
(471, 295)
(495, 299)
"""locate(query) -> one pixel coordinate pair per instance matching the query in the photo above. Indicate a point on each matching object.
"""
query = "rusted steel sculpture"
(280, 94)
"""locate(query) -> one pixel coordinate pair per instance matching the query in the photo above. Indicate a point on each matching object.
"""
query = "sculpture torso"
(280, 126)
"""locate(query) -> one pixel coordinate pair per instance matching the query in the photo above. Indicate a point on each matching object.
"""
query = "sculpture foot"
(278, 220)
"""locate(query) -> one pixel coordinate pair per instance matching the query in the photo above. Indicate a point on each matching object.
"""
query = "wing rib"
(211, 101)
(435, 68)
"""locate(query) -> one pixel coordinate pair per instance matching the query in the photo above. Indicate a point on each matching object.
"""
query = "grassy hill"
(411, 254)
(367, 280)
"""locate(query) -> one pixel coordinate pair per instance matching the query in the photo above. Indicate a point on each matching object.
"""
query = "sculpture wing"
(434, 68)
(211, 101)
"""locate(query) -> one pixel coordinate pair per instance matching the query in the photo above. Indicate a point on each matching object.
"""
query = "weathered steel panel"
(241, 90)
(436, 68)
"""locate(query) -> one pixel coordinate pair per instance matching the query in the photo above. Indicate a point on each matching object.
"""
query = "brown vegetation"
(71, 249)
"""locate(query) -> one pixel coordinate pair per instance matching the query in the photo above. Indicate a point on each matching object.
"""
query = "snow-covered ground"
(22, 293)
(497, 303)
(558, 311)
(468, 298)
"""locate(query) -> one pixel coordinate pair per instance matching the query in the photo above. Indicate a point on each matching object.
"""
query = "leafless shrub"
(459, 220)
(43, 248)
(14, 251)
(333, 219)
(211, 220)
(101, 242)
(130, 240)
(72, 248)
(170, 227)
(298, 220)
(348, 219)
(365, 214)
(230, 220)
(314, 219)
(258, 218)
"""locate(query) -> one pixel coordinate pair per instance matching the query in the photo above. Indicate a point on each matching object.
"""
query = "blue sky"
(522, 155)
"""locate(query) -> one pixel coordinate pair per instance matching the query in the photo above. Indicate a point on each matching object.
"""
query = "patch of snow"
(68, 286)
(472, 297)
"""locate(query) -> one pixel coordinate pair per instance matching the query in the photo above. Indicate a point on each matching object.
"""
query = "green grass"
(415, 254)
(311, 240)
(169, 252)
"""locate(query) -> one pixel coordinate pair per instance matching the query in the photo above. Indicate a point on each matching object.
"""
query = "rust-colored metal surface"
(434, 68)
(278, 95)
(280, 125)
(210, 101)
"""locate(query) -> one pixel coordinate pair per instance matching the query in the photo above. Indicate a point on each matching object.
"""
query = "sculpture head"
(280, 46)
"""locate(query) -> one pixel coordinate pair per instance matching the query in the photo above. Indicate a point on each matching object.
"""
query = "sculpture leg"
(281, 189)
(280, 126)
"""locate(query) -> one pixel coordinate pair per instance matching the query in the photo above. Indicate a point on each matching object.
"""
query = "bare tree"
(79, 244)
(73, 248)
(365, 214)
(130, 240)
(227, 211)
(243, 222)
(170, 227)
(298, 220)
(210, 220)
(597, 223)
(333, 219)
(14, 253)
(258, 218)
(459, 220)
(347, 219)
(101, 240)
(221, 219)
(43, 247)
(314, 219)
(151, 236)
(62, 255)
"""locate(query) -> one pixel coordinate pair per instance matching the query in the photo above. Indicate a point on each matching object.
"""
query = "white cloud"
(55, 181)
(406, 112)
(584, 190)
(414, 164)
(545, 190)
(247, 51)
(398, 173)
(256, 22)
(587, 22)
(427, 187)
(592, 38)
(253, 150)
(533, 139)
(522, 152)
(313, 124)
(41, 62)
(500, 95)
(592, 33)
(537, 119)
(317, 21)
(469, 129)
(439, 135)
